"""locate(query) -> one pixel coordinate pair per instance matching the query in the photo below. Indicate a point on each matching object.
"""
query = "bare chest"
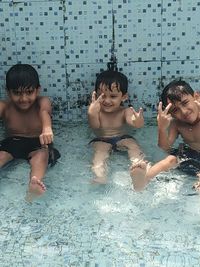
(24, 124)
(112, 120)
(191, 134)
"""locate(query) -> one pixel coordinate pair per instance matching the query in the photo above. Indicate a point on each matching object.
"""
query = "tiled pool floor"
(79, 224)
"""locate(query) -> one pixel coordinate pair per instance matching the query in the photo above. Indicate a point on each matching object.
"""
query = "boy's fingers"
(134, 112)
(41, 139)
(166, 110)
(197, 102)
(100, 98)
(44, 139)
(93, 96)
(160, 107)
(141, 111)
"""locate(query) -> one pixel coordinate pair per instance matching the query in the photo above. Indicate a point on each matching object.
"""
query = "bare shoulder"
(3, 106)
(44, 99)
(3, 103)
(128, 112)
(44, 103)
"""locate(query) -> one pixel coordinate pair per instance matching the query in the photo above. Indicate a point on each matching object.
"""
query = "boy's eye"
(29, 92)
(17, 93)
(185, 103)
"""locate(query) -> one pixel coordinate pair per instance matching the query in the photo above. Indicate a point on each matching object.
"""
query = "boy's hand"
(95, 105)
(137, 117)
(163, 117)
(46, 136)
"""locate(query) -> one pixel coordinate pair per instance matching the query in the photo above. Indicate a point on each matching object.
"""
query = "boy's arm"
(166, 137)
(167, 130)
(46, 136)
(94, 111)
(2, 108)
(134, 118)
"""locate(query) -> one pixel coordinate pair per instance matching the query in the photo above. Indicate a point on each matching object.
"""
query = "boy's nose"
(184, 110)
(23, 96)
(106, 100)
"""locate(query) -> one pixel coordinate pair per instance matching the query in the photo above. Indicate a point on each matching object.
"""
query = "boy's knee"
(5, 158)
(39, 156)
(172, 160)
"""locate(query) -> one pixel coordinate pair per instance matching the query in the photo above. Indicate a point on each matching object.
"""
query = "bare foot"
(138, 173)
(99, 180)
(196, 186)
(36, 189)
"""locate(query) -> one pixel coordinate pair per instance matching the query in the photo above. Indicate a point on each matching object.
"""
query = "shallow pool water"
(79, 224)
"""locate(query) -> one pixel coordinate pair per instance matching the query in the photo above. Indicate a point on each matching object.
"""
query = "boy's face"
(23, 99)
(185, 110)
(111, 99)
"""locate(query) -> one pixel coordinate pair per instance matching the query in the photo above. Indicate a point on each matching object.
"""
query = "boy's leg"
(139, 166)
(101, 153)
(196, 185)
(39, 163)
(140, 170)
(5, 157)
(164, 165)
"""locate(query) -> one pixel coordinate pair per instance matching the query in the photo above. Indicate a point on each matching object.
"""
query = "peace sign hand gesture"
(95, 105)
(137, 117)
(163, 117)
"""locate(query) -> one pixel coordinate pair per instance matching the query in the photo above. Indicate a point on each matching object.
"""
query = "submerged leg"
(5, 158)
(99, 166)
(196, 185)
(139, 166)
(39, 163)
(142, 172)
(138, 172)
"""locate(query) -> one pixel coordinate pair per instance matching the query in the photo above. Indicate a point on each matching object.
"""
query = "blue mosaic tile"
(69, 42)
(7, 35)
(137, 30)
(180, 30)
(144, 84)
(88, 31)
(39, 32)
(184, 69)
(3, 70)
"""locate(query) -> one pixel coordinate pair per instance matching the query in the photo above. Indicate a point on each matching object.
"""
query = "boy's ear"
(124, 97)
(38, 89)
(197, 96)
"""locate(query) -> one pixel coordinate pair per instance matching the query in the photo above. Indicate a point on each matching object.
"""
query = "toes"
(35, 181)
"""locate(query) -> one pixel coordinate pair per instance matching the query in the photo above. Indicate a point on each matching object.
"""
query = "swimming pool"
(79, 224)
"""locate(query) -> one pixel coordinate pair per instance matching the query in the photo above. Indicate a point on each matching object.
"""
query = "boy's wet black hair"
(109, 77)
(22, 76)
(174, 91)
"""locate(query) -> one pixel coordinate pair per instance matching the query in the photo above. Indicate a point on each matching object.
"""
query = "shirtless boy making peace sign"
(109, 118)
(181, 116)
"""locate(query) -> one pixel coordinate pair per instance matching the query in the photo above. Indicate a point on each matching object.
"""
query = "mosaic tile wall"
(69, 42)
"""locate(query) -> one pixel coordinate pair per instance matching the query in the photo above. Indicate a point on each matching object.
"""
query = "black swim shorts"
(20, 148)
(189, 159)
